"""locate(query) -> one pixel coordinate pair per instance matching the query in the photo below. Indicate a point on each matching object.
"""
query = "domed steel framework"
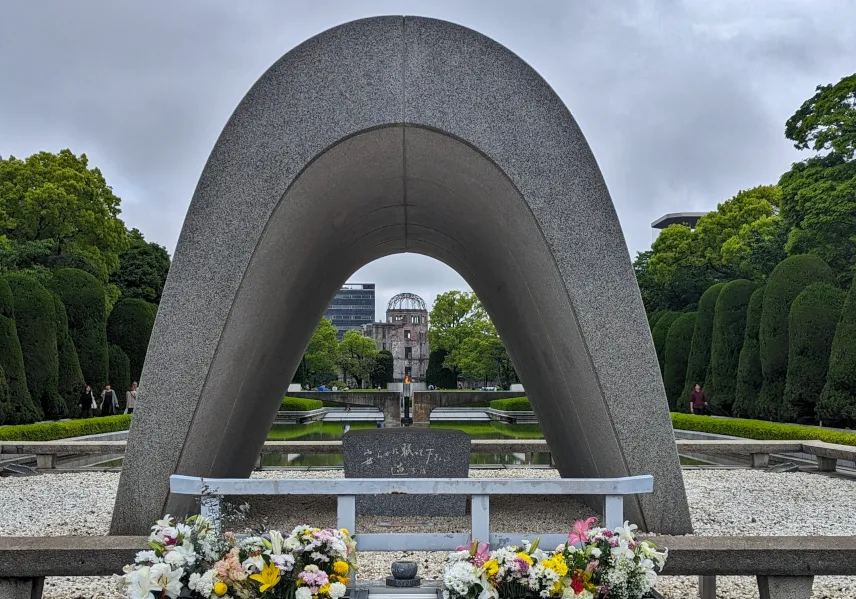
(407, 301)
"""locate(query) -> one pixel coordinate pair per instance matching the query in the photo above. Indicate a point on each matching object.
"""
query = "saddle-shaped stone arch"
(386, 135)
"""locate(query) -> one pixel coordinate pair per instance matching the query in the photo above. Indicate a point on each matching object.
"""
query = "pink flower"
(580, 531)
(481, 555)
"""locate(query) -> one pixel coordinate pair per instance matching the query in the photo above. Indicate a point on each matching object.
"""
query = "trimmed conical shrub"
(811, 328)
(20, 407)
(120, 373)
(678, 342)
(699, 359)
(786, 282)
(85, 304)
(35, 319)
(661, 330)
(70, 380)
(653, 317)
(729, 329)
(130, 326)
(749, 378)
(837, 403)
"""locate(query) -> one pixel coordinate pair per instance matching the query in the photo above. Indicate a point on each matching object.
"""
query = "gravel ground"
(741, 502)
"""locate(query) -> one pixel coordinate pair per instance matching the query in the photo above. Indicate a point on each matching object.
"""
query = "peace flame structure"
(380, 136)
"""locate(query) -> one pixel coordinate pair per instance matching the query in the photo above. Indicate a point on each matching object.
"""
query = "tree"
(130, 327)
(35, 319)
(383, 371)
(786, 282)
(811, 328)
(455, 316)
(678, 341)
(438, 375)
(827, 120)
(70, 377)
(837, 403)
(119, 376)
(143, 267)
(56, 199)
(658, 335)
(357, 355)
(698, 362)
(483, 357)
(20, 407)
(83, 297)
(749, 378)
(319, 361)
(729, 329)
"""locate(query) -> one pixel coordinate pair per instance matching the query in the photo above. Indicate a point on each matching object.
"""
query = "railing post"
(613, 511)
(707, 587)
(21, 588)
(480, 513)
(346, 517)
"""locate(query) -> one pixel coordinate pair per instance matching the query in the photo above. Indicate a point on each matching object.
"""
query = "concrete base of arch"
(399, 134)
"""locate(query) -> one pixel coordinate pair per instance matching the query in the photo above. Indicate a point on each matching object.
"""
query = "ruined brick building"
(405, 335)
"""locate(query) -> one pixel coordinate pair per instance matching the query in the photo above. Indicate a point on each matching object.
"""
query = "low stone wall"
(425, 401)
(385, 401)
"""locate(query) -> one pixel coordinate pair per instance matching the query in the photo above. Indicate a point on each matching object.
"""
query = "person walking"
(131, 398)
(698, 402)
(87, 402)
(109, 402)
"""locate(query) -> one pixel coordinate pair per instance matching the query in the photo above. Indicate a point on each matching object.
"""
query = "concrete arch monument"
(387, 135)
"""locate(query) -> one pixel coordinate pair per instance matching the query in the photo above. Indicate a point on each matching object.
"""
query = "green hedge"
(512, 404)
(119, 373)
(299, 404)
(130, 327)
(811, 328)
(653, 317)
(35, 319)
(837, 403)
(70, 377)
(749, 378)
(759, 429)
(86, 307)
(659, 334)
(49, 431)
(729, 329)
(19, 408)
(786, 282)
(698, 362)
(678, 343)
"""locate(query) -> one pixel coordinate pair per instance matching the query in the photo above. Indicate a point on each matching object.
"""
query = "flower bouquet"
(595, 563)
(192, 559)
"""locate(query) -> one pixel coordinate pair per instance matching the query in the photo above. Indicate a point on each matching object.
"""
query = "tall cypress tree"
(729, 329)
(659, 334)
(19, 408)
(678, 342)
(749, 378)
(837, 403)
(699, 360)
(70, 380)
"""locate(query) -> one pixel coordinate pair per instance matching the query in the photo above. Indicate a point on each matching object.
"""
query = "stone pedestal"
(46, 461)
(826, 464)
(21, 588)
(785, 587)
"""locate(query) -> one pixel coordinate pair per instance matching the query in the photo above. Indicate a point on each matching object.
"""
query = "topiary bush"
(85, 304)
(659, 333)
(119, 373)
(20, 407)
(699, 358)
(50, 431)
(811, 328)
(35, 320)
(653, 317)
(130, 327)
(729, 329)
(512, 404)
(299, 404)
(69, 375)
(837, 403)
(678, 342)
(749, 379)
(785, 283)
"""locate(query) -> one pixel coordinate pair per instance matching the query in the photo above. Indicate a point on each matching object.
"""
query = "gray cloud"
(683, 102)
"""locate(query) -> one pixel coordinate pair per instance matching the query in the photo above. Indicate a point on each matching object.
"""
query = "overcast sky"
(683, 103)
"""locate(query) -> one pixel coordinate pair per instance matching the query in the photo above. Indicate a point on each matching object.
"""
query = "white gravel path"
(740, 502)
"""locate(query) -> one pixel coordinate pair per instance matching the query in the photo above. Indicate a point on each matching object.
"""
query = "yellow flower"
(344, 531)
(220, 589)
(324, 589)
(267, 578)
(525, 557)
(341, 568)
(491, 567)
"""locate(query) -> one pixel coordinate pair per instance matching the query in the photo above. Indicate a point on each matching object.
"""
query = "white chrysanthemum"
(144, 557)
(283, 561)
(303, 593)
(460, 577)
(337, 590)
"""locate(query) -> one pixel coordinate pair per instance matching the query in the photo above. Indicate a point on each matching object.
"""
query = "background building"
(688, 219)
(353, 307)
(404, 335)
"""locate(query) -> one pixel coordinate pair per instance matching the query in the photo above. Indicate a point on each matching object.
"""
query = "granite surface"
(408, 453)
(399, 134)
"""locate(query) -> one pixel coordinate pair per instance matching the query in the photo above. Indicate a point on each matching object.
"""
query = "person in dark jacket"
(109, 402)
(698, 402)
(87, 401)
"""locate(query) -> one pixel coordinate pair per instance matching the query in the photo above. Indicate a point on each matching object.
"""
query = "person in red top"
(698, 402)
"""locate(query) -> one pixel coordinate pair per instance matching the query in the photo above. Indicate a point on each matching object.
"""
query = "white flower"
(167, 579)
(626, 532)
(284, 561)
(141, 585)
(147, 556)
(337, 589)
(290, 544)
(595, 552)
(165, 522)
(275, 542)
(303, 593)
(255, 563)
(319, 557)
(204, 584)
